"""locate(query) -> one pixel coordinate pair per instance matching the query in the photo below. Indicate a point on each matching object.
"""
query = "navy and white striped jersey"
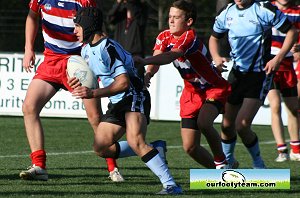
(57, 24)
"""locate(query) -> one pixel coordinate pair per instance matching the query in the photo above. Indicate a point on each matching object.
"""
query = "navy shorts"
(248, 85)
(140, 102)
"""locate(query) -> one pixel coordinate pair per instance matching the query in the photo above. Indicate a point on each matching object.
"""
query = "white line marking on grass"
(238, 144)
(87, 152)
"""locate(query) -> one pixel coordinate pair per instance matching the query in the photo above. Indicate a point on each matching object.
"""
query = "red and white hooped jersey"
(293, 14)
(195, 65)
(57, 24)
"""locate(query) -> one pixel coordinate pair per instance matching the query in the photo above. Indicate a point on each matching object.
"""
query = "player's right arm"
(31, 29)
(151, 70)
(214, 51)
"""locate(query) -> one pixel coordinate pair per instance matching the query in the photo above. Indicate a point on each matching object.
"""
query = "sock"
(254, 151)
(228, 149)
(38, 158)
(111, 164)
(159, 168)
(125, 150)
(282, 148)
(218, 160)
(295, 146)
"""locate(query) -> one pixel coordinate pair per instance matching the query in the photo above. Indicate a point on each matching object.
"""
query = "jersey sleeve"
(88, 3)
(161, 42)
(277, 18)
(34, 6)
(219, 27)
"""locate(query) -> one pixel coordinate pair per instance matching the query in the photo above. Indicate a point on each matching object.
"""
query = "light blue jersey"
(108, 59)
(250, 33)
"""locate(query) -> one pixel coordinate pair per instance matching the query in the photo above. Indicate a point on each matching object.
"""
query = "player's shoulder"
(164, 33)
(266, 5)
(163, 36)
(226, 8)
(294, 9)
(85, 3)
(189, 34)
(84, 49)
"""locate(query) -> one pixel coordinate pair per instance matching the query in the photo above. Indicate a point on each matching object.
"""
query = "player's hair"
(188, 7)
(91, 20)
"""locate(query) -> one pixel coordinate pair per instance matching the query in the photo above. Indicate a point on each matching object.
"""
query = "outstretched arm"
(158, 58)
(163, 58)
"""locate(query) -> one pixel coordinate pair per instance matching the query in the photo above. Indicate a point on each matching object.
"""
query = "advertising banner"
(240, 179)
(14, 82)
(166, 87)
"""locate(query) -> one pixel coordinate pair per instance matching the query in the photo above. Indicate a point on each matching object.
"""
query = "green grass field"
(75, 171)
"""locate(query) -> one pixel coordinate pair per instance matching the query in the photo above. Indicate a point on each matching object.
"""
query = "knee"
(227, 129)
(276, 109)
(189, 148)
(243, 126)
(28, 109)
(99, 150)
(99, 147)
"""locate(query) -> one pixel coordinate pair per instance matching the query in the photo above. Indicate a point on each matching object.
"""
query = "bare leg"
(277, 125)
(38, 94)
(191, 145)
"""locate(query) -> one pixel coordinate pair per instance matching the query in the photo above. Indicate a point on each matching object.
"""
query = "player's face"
(283, 2)
(177, 21)
(78, 32)
(242, 3)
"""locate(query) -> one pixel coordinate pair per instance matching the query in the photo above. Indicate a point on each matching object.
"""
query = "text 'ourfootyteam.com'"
(240, 184)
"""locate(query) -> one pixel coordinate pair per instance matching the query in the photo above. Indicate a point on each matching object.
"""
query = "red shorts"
(297, 70)
(191, 102)
(53, 69)
(285, 77)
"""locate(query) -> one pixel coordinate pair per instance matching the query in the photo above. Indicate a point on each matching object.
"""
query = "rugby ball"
(77, 67)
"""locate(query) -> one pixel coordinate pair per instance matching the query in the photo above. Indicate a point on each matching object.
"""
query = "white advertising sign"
(166, 87)
(14, 82)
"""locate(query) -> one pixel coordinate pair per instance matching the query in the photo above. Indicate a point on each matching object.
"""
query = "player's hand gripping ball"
(77, 67)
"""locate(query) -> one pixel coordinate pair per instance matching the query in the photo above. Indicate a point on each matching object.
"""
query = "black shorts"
(189, 123)
(140, 102)
(248, 85)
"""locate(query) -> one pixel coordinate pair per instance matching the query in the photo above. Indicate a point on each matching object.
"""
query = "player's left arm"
(159, 58)
(164, 58)
(290, 39)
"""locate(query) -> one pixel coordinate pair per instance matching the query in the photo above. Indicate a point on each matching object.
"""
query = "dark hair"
(90, 19)
(188, 7)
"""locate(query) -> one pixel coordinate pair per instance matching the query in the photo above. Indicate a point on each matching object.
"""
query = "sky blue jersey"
(250, 33)
(107, 59)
